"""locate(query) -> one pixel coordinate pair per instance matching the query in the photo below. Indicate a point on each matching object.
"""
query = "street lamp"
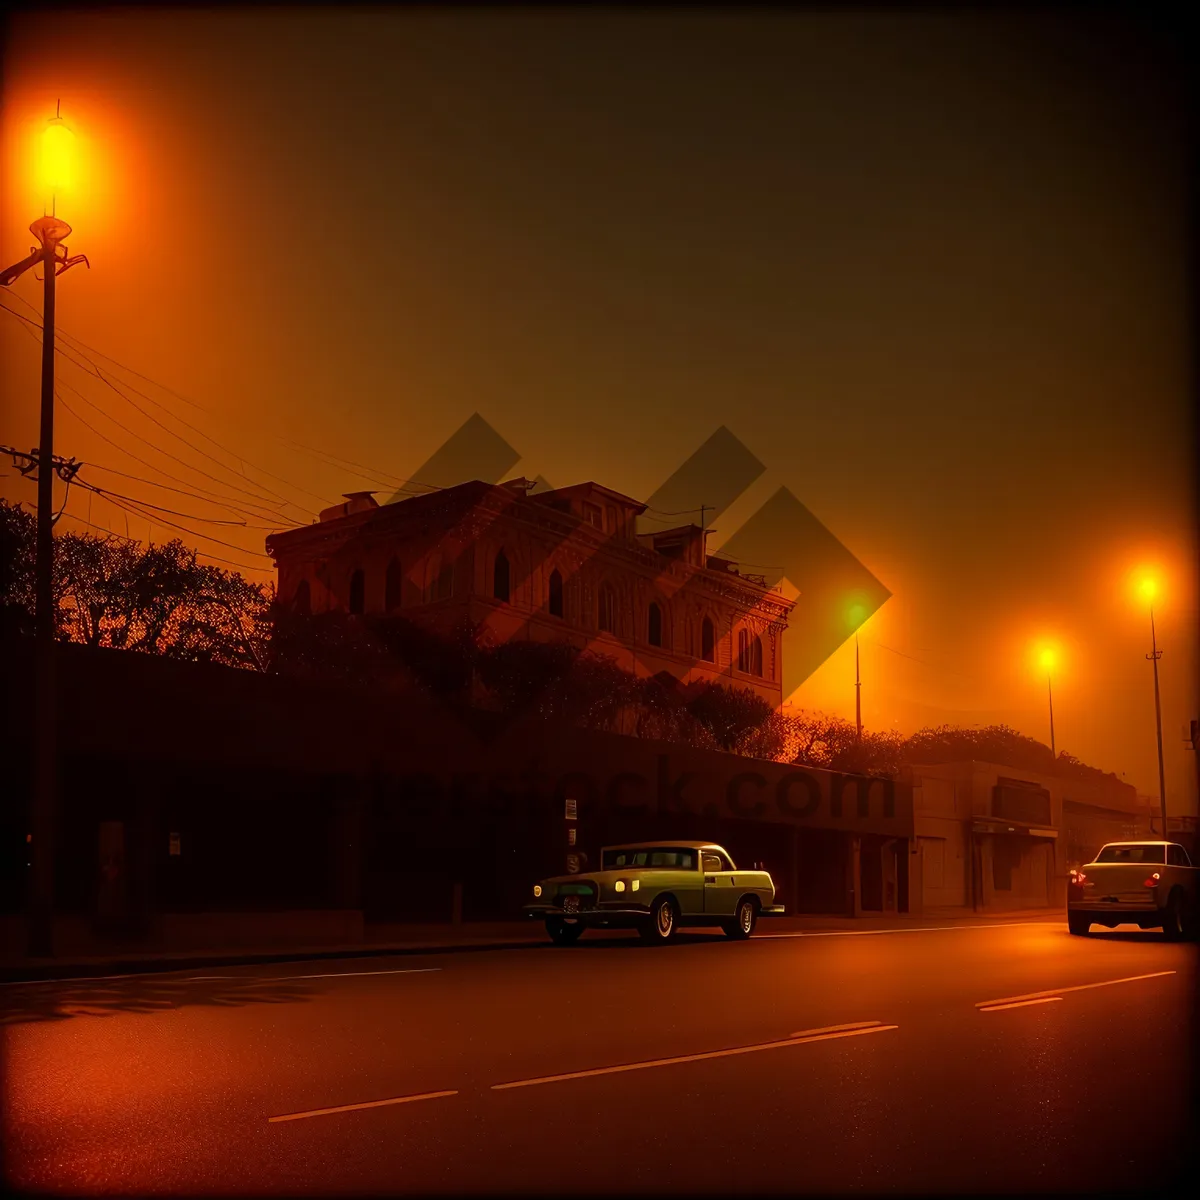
(857, 615)
(1148, 589)
(1047, 659)
(51, 233)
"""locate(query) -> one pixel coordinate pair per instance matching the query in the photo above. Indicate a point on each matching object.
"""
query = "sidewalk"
(381, 940)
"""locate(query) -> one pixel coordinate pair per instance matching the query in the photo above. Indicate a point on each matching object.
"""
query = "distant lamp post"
(1048, 660)
(1148, 590)
(51, 232)
(857, 614)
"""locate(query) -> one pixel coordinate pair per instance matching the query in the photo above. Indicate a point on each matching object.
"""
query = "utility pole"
(857, 692)
(1154, 655)
(50, 232)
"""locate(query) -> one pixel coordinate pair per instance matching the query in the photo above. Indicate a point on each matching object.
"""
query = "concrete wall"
(199, 788)
(970, 859)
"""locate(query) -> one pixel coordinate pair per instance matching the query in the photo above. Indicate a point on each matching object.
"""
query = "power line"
(263, 489)
(158, 508)
(195, 428)
(132, 507)
(166, 453)
(931, 666)
(376, 476)
(120, 537)
(184, 492)
(214, 497)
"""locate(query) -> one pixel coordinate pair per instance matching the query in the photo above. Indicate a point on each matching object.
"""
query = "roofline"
(592, 485)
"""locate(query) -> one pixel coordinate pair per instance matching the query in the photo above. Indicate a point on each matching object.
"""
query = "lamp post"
(1047, 661)
(1149, 590)
(51, 233)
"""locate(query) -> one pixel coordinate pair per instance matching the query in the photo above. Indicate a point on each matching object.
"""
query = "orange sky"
(930, 269)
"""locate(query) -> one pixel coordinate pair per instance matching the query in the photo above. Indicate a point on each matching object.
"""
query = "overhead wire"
(255, 499)
(173, 512)
(264, 490)
(93, 466)
(376, 475)
(218, 502)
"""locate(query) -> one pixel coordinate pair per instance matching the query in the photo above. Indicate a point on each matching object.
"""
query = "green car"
(655, 888)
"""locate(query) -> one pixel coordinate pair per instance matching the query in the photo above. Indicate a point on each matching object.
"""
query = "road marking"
(800, 1039)
(1019, 1004)
(173, 976)
(1079, 987)
(324, 1112)
(348, 974)
(876, 932)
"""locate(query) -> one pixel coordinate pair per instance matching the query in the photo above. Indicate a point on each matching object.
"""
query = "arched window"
(441, 580)
(607, 615)
(556, 594)
(654, 622)
(500, 577)
(708, 641)
(743, 650)
(358, 591)
(756, 660)
(302, 599)
(393, 584)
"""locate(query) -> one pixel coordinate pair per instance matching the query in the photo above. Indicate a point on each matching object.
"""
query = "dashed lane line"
(797, 1039)
(1057, 993)
(341, 1108)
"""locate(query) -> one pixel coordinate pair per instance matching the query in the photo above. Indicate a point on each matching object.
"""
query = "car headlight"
(637, 883)
(537, 889)
(619, 886)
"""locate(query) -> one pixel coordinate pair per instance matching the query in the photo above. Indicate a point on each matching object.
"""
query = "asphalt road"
(890, 1061)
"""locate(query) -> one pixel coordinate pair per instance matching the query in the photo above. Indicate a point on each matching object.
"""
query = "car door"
(686, 881)
(720, 895)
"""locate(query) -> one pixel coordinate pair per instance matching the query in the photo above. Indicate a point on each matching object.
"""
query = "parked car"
(1149, 884)
(655, 888)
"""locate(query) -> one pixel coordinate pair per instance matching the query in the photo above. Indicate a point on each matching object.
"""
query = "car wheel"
(563, 934)
(744, 920)
(664, 920)
(1079, 924)
(1172, 917)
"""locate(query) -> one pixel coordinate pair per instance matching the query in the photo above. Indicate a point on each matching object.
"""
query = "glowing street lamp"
(1148, 589)
(50, 232)
(1048, 660)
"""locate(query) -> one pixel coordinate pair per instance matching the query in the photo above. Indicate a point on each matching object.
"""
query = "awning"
(1005, 827)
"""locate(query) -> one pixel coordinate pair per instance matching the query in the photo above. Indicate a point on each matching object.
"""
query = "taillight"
(1153, 880)
(1077, 878)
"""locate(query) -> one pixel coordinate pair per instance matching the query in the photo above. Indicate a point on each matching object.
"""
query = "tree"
(728, 714)
(157, 599)
(17, 555)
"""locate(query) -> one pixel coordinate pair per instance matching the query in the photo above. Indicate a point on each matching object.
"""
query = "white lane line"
(1079, 987)
(324, 1112)
(795, 1040)
(348, 974)
(173, 976)
(877, 932)
(1019, 1004)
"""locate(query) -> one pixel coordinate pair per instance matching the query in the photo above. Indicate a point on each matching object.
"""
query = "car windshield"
(1131, 854)
(650, 856)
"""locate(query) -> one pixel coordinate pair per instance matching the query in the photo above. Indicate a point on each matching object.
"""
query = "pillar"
(853, 875)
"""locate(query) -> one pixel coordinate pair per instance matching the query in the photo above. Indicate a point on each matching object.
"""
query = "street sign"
(571, 835)
(572, 810)
(174, 843)
(573, 863)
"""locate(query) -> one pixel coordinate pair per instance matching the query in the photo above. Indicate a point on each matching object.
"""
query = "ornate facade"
(565, 565)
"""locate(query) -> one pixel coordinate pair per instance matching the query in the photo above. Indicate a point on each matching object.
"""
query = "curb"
(94, 968)
(91, 969)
